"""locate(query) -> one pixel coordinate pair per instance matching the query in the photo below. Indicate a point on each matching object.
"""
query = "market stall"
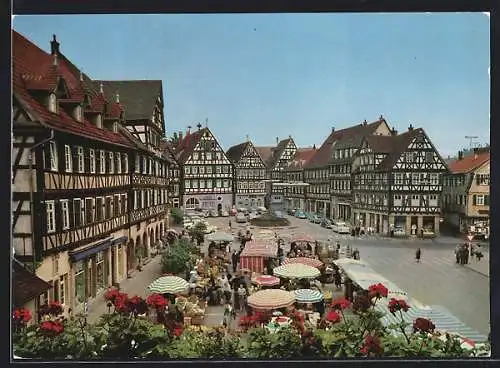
(296, 271)
(313, 262)
(255, 253)
(266, 280)
(270, 299)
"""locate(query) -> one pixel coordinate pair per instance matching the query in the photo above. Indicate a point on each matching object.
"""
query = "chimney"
(117, 97)
(314, 146)
(180, 135)
(54, 59)
(476, 152)
(54, 46)
(333, 129)
(81, 76)
(460, 155)
(277, 140)
(365, 123)
(101, 88)
(410, 128)
(188, 130)
(381, 117)
(394, 131)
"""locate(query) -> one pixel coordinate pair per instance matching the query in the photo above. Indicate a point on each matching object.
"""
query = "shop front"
(96, 268)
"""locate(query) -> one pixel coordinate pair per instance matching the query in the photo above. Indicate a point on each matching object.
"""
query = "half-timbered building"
(249, 186)
(397, 183)
(70, 177)
(295, 192)
(174, 175)
(276, 159)
(466, 193)
(206, 172)
(145, 126)
(347, 143)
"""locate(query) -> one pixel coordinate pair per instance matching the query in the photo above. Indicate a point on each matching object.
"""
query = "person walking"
(228, 315)
(234, 259)
(457, 253)
(242, 293)
(230, 225)
(418, 254)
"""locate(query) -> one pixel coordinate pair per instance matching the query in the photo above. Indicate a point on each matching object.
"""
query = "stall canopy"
(255, 252)
(313, 262)
(271, 299)
(220, 236)
(441, 317)
(302, 238)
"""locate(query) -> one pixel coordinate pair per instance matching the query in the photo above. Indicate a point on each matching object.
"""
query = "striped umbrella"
(168, 285)
(308, 296)
(271, 299)
(220, 236)
(313, 262)
(266, 280)
(302, 238)
(296, 271)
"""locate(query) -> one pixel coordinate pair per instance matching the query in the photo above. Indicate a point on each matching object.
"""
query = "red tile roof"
(265, 153)
(301, 158)
(34, 69)
(186, 146)
(468, 163)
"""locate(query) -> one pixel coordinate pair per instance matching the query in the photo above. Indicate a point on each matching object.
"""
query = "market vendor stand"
(255, 253)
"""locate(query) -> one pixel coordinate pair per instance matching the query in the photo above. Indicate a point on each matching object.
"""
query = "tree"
(177, 259)
(174, 139)
(197, 232)
(177, 215)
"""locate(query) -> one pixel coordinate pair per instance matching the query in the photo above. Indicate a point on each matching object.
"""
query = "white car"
(340, 227)
(224, 213)
(261, 210)
(240, 217)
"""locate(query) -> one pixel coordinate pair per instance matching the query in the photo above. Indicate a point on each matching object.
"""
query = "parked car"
(300, 214)
(291, 211)
(315, 219)
(340, 227)
(241, 218)
(261, 210)
(224, 213)
(252, 215)
(243, 210)
(279, 214)
(326, 223)
(213, 213)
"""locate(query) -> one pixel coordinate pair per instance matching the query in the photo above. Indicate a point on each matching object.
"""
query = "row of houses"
(92, 178)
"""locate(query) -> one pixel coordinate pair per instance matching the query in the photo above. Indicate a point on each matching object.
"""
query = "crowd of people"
(465, 251)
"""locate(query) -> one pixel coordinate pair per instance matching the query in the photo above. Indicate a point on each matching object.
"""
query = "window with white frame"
(79, 153)
(125, 163)
(479, 199)
(415, 200)
(397, 200)
(111, 162)
(218, 169)
(53, 103)
(195, 170)
(118, 158)
(187, 184)
(68, 159)
(415, 179)
(77, 208)
(137, 164)
(195, 184)
(398, 179)
(143, 198)
(65, 214)
(51, 216)
(195, 156)
(124, 204)
(150, 169)
(89, 210)
(62, 289)
(434, 178)
(102, 162)
(100, 208)
(92, 160)
(144, 165)
(202, 184)
(202, 170)
(53, 155)
(136, 200)
(218, 183)
(187, 170)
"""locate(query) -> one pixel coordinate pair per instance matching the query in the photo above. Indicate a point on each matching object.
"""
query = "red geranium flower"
(397, 305)
(52, 327)
(340, 304)
(423, 325)
(21, 315)
(371, 345)
(137, 305)
(378, 291)
(361, 303)
(157, 302)
(121, 303)
(111, 294)
(178, 329)
(55, 308)
(333, 317)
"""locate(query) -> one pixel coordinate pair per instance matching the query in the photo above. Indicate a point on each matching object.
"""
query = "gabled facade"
(276, 163)
(143, 124)
(249, 186)
(346, 143)
(174, 175)
(295, 192)
(72, 177)
(466, 193)
(206, 172)
(397, 183)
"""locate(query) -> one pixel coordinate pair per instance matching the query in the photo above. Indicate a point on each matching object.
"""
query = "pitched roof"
(26, 285)
(34, 68)
(380, 143)
(343, 138)
(302, 156)
(399, 145)
(186, 146)
(138, 96)
(468, 163)
(234, 153)
(277, 152)
(265, 153)
(168, 151)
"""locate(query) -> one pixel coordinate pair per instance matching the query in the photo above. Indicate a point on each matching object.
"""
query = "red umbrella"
(267, 280)
(304, 260)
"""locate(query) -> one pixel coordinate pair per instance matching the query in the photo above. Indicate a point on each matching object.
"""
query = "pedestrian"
(228, 314)
(242, 293)
(234, 259)
(280, 254)
(230, 225)
(457, 253)
(418, 255)
(337, 278)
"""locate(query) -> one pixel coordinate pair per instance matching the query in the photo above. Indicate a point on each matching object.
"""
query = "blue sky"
(274, 75)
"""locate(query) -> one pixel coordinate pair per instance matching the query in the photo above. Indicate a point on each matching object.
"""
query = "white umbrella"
(308, 296)
(169, 285)
(220, 236)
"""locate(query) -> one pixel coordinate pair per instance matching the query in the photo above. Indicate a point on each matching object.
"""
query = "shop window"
(79, 283)
(101, 284)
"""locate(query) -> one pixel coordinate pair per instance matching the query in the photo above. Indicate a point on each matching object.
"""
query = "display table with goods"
(192, 308)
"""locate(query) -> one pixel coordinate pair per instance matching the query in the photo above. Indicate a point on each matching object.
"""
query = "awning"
(78, 255)
(26, 285)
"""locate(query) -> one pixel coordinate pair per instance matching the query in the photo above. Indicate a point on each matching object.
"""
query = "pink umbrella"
(302, 238)
(267, 280)
(304, 260)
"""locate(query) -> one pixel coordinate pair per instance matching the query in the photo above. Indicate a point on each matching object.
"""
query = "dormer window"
(115, 127)
(52, 103)
(78, 113)
(98, 121)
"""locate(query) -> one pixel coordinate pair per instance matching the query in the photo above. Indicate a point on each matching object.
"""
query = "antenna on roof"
(206, 122)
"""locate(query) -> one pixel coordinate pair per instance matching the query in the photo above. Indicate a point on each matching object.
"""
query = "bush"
(177, 258)
(177, 215)
(197, 232)
(125, 334)
(268, 220)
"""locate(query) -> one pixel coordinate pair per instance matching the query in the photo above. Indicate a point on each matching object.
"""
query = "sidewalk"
(482, 266)
(137, 285)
